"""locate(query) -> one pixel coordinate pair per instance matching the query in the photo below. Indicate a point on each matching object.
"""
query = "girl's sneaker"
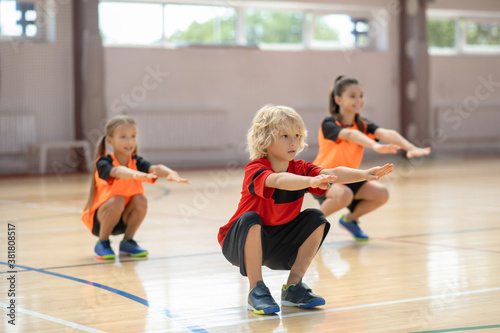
(260, 300)
(130, 247)
(103, 250)
(354, 229)
(300, 295)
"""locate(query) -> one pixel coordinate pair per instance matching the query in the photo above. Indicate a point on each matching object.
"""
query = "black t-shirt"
(105, 163)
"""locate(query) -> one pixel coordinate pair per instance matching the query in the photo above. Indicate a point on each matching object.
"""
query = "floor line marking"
(438, 245)
(440, 233)
(54, 319)
(178, 318)
(362, 306)
(473, 328)
(122, 261)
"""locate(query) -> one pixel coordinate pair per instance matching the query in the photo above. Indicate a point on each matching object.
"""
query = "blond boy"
(268, 227)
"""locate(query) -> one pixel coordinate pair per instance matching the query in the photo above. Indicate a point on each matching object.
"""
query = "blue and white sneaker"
(260, 300)
(103, 250)
(300, 295)
(130, 247)
(354, 229)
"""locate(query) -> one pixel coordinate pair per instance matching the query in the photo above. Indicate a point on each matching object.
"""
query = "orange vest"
(346, 153)
(104, 190)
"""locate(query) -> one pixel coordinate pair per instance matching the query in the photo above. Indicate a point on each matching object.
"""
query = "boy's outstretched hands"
(378, 172)
(322, 182)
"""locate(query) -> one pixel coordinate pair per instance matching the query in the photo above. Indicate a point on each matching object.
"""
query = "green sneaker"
(354, 229)
(130, 247)
(103, 250)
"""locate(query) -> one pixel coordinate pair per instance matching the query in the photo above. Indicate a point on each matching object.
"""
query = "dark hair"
(340, 85)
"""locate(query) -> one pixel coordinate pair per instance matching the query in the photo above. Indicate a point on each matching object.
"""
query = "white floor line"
(40, 206)
(49, 318)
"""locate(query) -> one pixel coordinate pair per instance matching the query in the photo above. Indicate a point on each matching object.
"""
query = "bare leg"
(305, 255)
(109, 215)
(253, 255)
(337, 197)
(134, 214)
(372, 195)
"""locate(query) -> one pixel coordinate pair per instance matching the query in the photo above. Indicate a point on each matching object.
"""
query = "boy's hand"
(376, 173)
(144, 176)
(386, 148)
(174, 177)
(322, 181)
(418, 152)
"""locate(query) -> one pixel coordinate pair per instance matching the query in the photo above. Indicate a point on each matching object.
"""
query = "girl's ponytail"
(100, 149)
(334, 108)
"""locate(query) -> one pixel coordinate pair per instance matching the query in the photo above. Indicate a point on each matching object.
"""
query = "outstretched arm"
(292, 182)
(347, 175)
(172, 176)
(394, 137)
(123, 172)
(362, 140)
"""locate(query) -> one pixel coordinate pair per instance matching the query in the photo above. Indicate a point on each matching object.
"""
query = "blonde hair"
(100, 148)
(267, 123)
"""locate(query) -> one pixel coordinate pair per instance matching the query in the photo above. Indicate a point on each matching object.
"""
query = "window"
(18, 19)
(361, 31)
(200, 24)
(452, 33)
(266, 24)
(483, 34)
(333, 30)
(273, 27)
(131, 23)
(441, 33)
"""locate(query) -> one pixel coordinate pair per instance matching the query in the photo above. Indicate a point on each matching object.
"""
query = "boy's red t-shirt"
(274, 206)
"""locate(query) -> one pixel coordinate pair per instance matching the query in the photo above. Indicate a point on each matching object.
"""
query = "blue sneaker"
(354, 229)
(103, 250)
(300, 295)
(260, 300)
(130, 247)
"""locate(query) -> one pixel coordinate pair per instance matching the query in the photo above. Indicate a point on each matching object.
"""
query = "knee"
(251, 219)
(345, 197)
(314, 213)
(256, 228)
(342, 195)
(116, 204)
(383, 196)
(139, 202)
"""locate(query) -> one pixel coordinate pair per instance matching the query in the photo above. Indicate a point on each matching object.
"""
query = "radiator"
(181, 130)
(17, 132)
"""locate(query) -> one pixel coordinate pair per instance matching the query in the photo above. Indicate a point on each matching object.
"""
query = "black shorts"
(117, 230)
(354, 188)
(280, 243)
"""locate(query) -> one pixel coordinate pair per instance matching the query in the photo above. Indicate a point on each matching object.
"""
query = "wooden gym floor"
(432, 264)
